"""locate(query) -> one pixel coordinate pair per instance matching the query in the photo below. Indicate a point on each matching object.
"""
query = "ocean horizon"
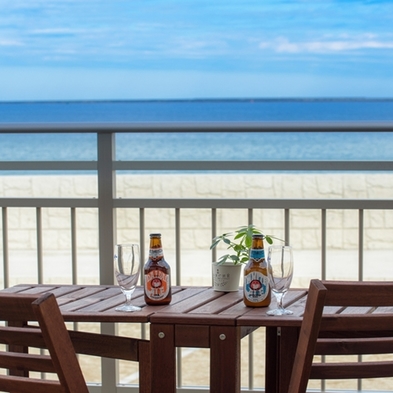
(241, 109)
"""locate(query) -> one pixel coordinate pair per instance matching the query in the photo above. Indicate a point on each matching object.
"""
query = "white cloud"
(57, 30)
(283, 45)
(7, 42)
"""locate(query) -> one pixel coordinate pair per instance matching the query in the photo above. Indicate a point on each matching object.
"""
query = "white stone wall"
(195, 258)
(305, 224)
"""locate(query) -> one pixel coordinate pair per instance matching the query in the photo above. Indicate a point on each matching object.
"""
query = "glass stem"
(128, 295)
(279, 297)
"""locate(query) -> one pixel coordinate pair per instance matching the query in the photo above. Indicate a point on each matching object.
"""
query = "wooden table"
(196, 317)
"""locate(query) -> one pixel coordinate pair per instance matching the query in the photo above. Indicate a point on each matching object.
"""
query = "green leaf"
(215, 242)
(239, 235)
(238, 247)
(250, 231)
(223, 259)
(234, 258)
(248, 241)
(242, 231)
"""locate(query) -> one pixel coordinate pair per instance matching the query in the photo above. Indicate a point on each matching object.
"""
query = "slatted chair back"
(344, 318)
(50, 333)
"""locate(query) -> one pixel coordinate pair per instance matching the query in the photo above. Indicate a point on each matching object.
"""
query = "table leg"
(144, 367)
(225, 359)
(163, 358)
(271, 360)
(287, 350)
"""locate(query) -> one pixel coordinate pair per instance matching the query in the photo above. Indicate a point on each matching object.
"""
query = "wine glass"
(127, 267)
(280, 272)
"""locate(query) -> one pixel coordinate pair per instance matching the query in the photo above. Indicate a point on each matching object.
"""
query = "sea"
(200, 146)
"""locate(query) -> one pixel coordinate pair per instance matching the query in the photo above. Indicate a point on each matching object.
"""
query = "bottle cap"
(155, 235)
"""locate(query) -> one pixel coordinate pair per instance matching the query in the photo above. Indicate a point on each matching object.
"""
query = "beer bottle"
(157, 274)
(256, 288)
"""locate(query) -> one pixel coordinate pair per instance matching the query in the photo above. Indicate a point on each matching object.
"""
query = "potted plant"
(227, 270)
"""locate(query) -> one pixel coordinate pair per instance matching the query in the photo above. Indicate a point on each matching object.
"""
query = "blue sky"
(156, 49)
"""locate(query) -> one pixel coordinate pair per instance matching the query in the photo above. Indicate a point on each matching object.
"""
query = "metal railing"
(106, 203)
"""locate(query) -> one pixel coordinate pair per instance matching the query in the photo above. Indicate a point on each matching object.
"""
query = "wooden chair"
(343, 318)
(51, 334)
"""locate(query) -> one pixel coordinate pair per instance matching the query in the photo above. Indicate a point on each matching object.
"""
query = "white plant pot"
(226, 276)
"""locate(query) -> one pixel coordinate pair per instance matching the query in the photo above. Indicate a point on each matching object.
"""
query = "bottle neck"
(156, 252)
(257, 252)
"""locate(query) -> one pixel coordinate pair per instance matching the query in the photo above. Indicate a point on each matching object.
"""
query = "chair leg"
(18, 348)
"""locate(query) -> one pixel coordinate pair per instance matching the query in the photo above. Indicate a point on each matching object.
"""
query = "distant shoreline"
(244, 99)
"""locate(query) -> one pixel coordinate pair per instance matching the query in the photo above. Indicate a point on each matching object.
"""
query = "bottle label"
(257, 254)
(157, 285)
(256, 286)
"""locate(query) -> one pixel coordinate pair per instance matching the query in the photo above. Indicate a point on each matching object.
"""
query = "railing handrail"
(218, 126)
(205, 203)
(217, 165)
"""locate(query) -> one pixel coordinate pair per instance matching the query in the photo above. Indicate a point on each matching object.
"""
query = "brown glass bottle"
(157, 274)
(256, 288)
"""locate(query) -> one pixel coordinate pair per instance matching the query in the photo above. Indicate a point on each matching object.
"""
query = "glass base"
(279, 311)
(128, 308)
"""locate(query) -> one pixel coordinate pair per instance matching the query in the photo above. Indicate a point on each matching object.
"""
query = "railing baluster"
(74, 260)
(74, 257)
(323, 269)
(179, 363)
(107, 238)
(214, 232)
(361, 270)
(251, 361)
(323, 244)
(287, 228)
(40, 269)
(106, 195)
(178, 246)
(361, 244)
(250, 213)
(143, 259)
(6, 266)
(142, 242)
